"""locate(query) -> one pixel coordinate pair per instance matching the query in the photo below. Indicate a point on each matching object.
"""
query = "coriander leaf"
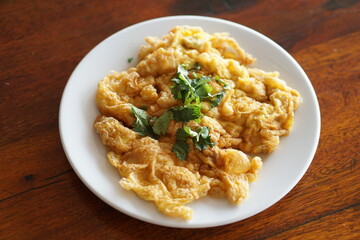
(181, 149)
(193, 75)
(203, 140)
(161, 124)
(152, 120)
(197, 82)
(200, 137)
(225, 84)
(186, 113)
(185, 66)
(203, 131)
(190, 97)
(192, 91)
(190, 132)
(181, 135)
(182, 88)
(130, 60)
(178, 89)
(198, 121)
(182, 71)
(196, 66)
(141, 124)
(203, 91)
(216, 99)
(142, 120)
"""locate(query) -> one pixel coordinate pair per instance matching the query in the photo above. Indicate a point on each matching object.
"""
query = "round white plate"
(281, 171)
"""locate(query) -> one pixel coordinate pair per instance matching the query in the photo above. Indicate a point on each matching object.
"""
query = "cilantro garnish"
(182, 88)
(200, 137)
(189, 132)
(203, 140)
(181, 149)
(215, 99)
(142, 122)
(183, 133)
(150, 126)
(226, 85)
(130, 60)
(195, 89)
(192, 88)
(161, 124)
(196, 66)
(187, 112)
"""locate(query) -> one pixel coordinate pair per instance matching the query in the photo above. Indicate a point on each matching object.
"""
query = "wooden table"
(41, 42)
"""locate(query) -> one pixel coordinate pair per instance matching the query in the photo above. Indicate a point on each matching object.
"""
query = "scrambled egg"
(253, 114)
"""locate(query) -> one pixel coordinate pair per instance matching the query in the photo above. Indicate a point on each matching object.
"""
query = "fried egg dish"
(181, 124)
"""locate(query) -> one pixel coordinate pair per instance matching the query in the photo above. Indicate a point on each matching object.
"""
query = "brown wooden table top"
(41, 42)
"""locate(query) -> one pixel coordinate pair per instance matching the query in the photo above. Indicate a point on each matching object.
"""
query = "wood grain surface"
(41, 42)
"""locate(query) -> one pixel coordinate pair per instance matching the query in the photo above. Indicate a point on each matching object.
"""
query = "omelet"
(256, 110)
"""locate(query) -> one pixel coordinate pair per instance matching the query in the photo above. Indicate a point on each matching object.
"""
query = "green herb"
(181, 149)
(182, 88)
(152, 120)
(200, 137)
(130, 60)
(226, 85)
(203, 140)
(215, 100)
(196, 89)
(187, 112)
(203, 90)
(150, 126)
(142, 122)
(161, 124)
(189, 132)
(196, 66)
(181, 135)
(191, 91)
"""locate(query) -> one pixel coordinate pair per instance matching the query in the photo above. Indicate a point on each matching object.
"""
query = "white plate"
(281, 171)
